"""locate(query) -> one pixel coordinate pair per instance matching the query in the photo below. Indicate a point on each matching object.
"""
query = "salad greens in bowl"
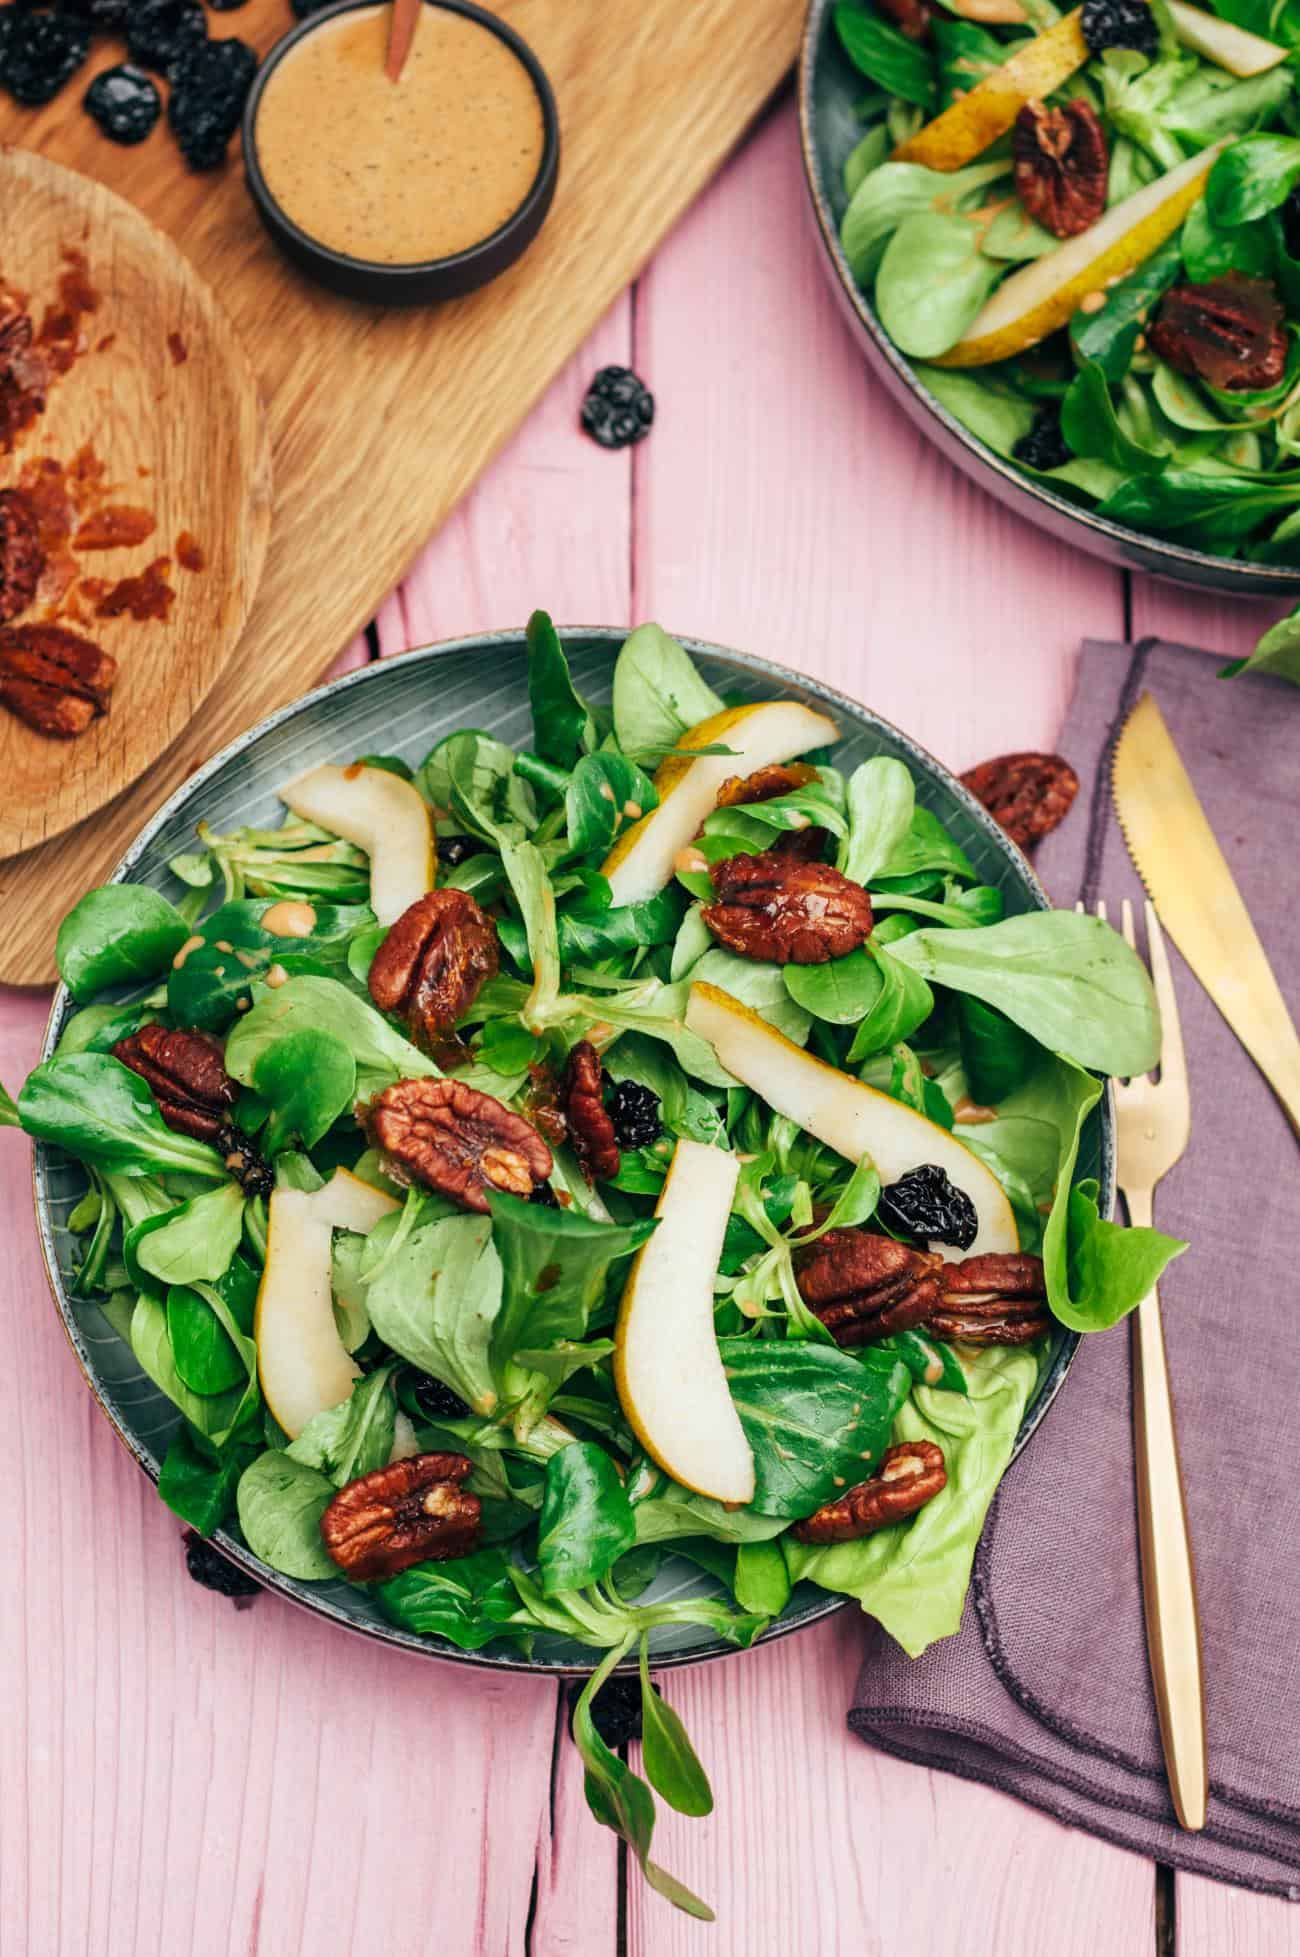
(1068, 241)
(584, 1153)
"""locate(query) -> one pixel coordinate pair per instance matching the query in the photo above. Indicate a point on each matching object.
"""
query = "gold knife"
(1183, 868)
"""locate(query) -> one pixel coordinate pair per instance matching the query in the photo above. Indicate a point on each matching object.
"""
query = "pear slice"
(667, 1366)
(967, 127)
(1046, 293)
(381, 814)
(643, 859)
(302, 1363)
(850, 1117)
(1227, 46)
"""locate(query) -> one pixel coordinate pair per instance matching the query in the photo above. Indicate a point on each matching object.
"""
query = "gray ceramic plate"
(829, 86)
(403, 706)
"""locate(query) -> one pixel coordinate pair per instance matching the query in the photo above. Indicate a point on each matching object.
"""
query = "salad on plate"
(523, 1167)
(1083, 229)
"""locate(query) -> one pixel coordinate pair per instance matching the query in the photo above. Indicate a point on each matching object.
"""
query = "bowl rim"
(514, 639)
(1201, 568)
(408, 271)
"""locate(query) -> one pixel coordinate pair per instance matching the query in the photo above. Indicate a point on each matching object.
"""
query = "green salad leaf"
(117, 935)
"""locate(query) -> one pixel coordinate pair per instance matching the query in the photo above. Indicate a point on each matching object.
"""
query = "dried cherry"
(1044, 447)
(634, 1110)
(1120, 24)
(924, 1203)
(619, 408)
(213, 1571)
(210, 83)
(158, 31)
(124, 102)
(42, 51)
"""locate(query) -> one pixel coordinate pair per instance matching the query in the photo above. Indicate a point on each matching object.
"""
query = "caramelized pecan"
(996, 1299)
(457, 1140)
(185, 1074)
(863, 1287)
(777, 907)
(24, 379)
(432, 963)
(910, 1475)
(412, 1511)
(21, 558)
(590, 1125)
(1061, 166)
(53, 679)
(765, 783)
(1028, 794)
(1228, 332)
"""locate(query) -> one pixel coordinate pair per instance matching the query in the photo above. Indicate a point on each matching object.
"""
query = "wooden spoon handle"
(401, 32)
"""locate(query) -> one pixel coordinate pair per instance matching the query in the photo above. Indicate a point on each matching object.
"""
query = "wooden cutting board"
(164, 408)
(380, 421)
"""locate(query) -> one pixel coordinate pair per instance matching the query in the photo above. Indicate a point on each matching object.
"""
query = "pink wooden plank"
(785, 506)
(1220, 623)
(1215, 1921)
(819, 1844)
(176, 1775)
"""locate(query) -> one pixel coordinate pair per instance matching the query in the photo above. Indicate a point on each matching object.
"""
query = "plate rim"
(514, 639)
(1200, 569)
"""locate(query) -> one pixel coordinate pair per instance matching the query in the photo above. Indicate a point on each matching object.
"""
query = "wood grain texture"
(379, 420)
(183, 439)
(1216, 1921)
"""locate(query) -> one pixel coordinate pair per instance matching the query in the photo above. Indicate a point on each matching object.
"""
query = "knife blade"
(1178, 859)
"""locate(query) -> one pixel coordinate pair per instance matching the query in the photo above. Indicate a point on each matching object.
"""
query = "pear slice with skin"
(967, 126)
(381, 814)
(644, 858)
(1046, 293)
(302, 1363)
(850, 1117)
(1229, 47)
(667, 1366)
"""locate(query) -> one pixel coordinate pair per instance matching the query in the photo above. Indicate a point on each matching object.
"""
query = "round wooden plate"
(167, 401)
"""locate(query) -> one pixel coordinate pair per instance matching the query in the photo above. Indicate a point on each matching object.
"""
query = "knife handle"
(1168, 1574)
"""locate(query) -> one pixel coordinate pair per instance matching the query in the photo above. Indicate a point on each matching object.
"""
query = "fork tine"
(1126, 924)
(1173, 1061)
(1101, 910)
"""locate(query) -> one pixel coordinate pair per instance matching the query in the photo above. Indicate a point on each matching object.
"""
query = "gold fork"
(1154, 1125)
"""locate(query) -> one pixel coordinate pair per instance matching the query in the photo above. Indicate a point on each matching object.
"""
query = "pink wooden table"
(178, 1778)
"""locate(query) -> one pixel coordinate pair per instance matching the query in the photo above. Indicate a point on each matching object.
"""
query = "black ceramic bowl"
(829, 86)
(436, 278)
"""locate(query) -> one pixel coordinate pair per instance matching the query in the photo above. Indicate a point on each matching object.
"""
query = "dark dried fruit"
(545, 1197)
(124, 102)
(21, 558)
(911, 17)
(432, 963)
(214, 1571)
(1120, 24)
(615, 1710)
(590, 1127)
(1061, 166)
(1028, 794)
(996, 1299)
(1228, 332)
(186, 1075)
(158, 31)
(765, 783)
(619, 408)
(437, 1400)
(254, 1175)
(458, 1141)
(1044, 447)
(925, 1204)
(54, 679)
(42, 51)
(108, 16)
(910, 1475)
(864, 1287)
(412, 1511)
(453, 850)
(773, 906)
(210, 83)
(634, 1111)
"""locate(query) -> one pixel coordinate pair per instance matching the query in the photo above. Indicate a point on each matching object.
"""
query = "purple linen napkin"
(1045, 1691)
